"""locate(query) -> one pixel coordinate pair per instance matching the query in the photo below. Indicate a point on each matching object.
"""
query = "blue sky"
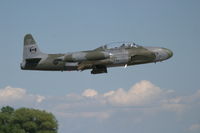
(169, 96)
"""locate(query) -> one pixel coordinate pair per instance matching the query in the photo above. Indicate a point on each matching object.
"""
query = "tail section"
(31, 50)
(31, 53)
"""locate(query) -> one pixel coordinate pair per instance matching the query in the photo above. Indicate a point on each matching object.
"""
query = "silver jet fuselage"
(98, 60)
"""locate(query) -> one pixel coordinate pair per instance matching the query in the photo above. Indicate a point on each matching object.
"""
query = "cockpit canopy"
(117, 45)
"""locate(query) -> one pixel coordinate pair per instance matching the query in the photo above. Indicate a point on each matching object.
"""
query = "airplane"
(99, 59)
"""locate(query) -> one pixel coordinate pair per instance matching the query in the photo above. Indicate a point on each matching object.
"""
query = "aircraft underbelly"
(69, 66)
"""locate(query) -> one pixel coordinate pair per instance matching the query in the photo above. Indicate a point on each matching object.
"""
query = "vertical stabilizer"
(31, 50)
(31, 53)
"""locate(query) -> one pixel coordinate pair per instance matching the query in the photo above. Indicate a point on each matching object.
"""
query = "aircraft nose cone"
(169, 52)
(161, 53)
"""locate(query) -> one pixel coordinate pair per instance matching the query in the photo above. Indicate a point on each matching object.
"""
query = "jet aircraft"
(99, 59)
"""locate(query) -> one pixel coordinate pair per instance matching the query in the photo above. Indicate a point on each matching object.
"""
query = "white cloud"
(39, 98)
(10, 95)
(143, 96)
(100, 105)
(110, 93)
(195, 128)
(174, 107)
(98, 115)
(141, 93)
(180, 104)
(89, 93)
